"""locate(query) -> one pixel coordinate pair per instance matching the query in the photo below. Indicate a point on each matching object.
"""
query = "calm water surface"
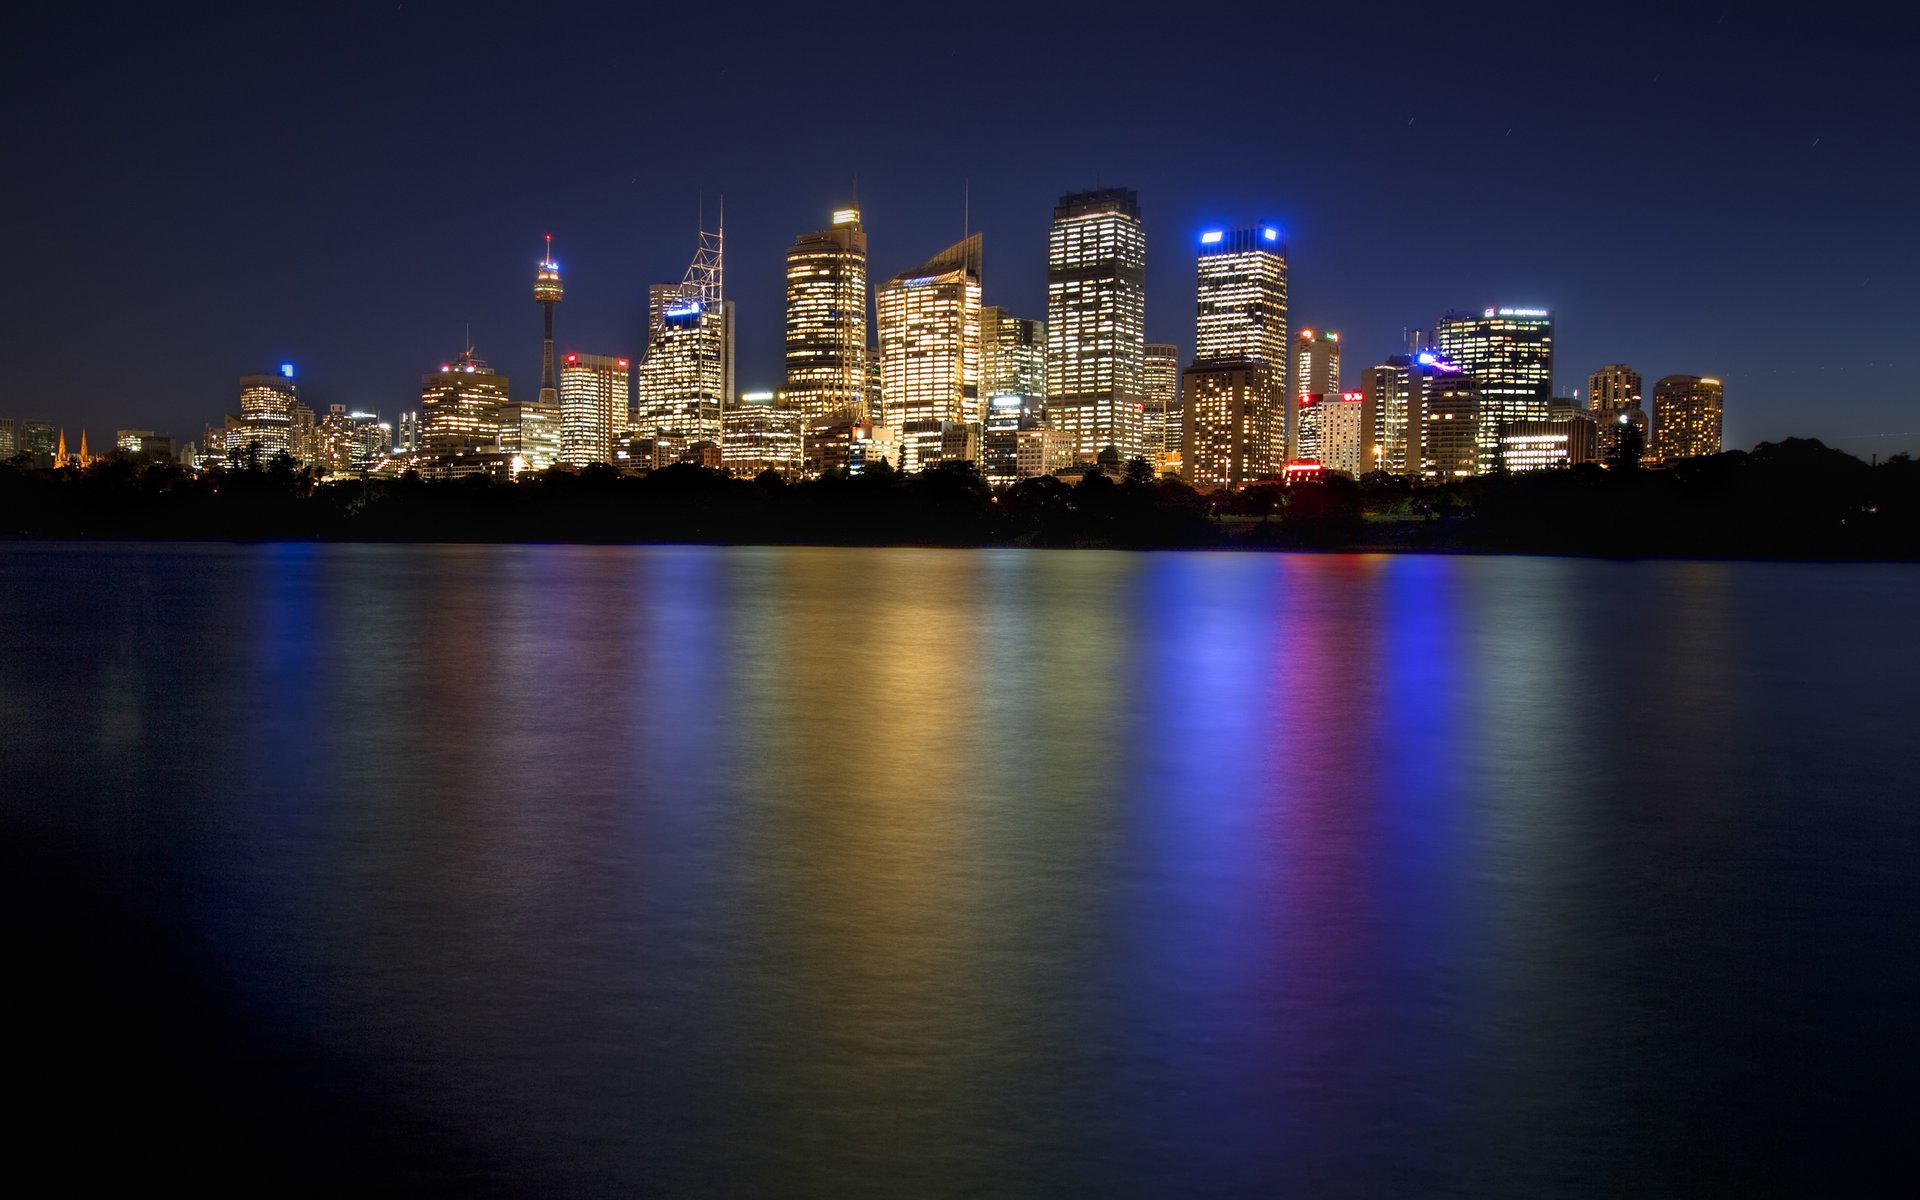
(901, 872)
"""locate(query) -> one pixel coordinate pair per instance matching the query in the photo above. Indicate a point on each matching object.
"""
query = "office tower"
(594, 394)
(1234, 426)
(1231, 414)
(1305, 428)
(1508, 352)
(1450, 421)
(1316, 372)
(930, 350)
(1385, 389)
(1345, 434)
(266, 414)
(547, 292)
(1096, 321)
(1687, 412)
(9, 439)
(37, 443)
(687, 373)
(406, 435)
(303, 441)
(1160, 418)
(1565, 440)
(1013, 358)
(761, 432)
(827, 320)
(1614, 398)
(460, 415)
(530, 435)
(334, 432)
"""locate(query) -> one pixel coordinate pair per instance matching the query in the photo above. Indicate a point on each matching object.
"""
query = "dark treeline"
(1790, 499)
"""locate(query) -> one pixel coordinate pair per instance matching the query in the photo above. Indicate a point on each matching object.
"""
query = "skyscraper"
(762, 434)
(930, 350)
(1013, 378)
(827, 320)
(547, 292)
(1345, 434)
(460, 414)
(266, 413)
(1096, 321)
(1160, 419)
(1234, 426)
(1385, 389)
(1687, 414)
(687, 373)
(1614, 400)
(1450, 422)
(594, 395)
(1316, 372)
(1508, 352)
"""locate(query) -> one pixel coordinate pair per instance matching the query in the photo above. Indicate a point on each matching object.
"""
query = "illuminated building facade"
(1231, 427)
(266, 414)
(1160, 419)
(841, 443)
(1013, 358)
(827, 320)
(460, 414)
(1687, 414)
(530, 435)
(1614, 398)
(1450, 423)
(687, 374)
(38, 440)
(595, 393)
(1096, 321)
(1306, 428)
(1565, 440)
(1345, 434)
(1508, 353)
(9, 439)
(760, 433)
(1316, 372)
(930, 359)
(1234, 411)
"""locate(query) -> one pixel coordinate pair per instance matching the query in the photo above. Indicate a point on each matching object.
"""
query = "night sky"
(195, 197)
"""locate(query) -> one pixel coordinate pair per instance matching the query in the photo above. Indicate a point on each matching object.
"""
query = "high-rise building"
(761, 432)
(1305, 428)
(1316, 372)
(530, 435)
(686, 376)
(1687, 414)
(827, 320)
(266, 414)
(37, 442)
(1508, 353)
(1231, 432)
(930, 356)
(1160, 419)
(594, 393)
(1386, 389)
(460, 415)
(547, 292)
(1013, 358)
(1450, 422)
(9, 439)
(1096, 321)
(1614, 397)
(1564, 441)
(1345, 434)
(1234, 415)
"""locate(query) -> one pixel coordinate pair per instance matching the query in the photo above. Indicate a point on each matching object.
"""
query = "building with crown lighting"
(1687, 415)
(1316, 372)
(687, 374)
(266, 415)
(1565, 440)
(1096, 322)
(1508, 353)
(761, 432)
(460, 417)
(1234, 414)
(595, 394)
(930, 357)
(826, 343)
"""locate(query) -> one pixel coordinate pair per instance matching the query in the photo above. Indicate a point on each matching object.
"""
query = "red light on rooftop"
(573, 358)
(621, 361)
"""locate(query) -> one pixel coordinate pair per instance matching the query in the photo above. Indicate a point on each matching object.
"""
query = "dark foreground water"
(919, 873)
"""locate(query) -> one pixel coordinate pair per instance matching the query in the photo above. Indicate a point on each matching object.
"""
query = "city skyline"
(1633, 276)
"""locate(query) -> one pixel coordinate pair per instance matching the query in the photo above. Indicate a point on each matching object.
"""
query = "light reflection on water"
(931, 872)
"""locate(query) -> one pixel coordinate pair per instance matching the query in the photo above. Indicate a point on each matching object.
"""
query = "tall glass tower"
(1097, 322)
(1508, 352)
(827, 320)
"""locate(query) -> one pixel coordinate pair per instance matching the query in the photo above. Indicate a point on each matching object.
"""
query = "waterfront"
(999, 872)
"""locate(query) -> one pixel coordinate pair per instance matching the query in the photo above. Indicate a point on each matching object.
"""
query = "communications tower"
(547, 292)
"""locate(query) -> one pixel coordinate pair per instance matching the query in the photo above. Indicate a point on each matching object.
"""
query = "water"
(752, 871)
